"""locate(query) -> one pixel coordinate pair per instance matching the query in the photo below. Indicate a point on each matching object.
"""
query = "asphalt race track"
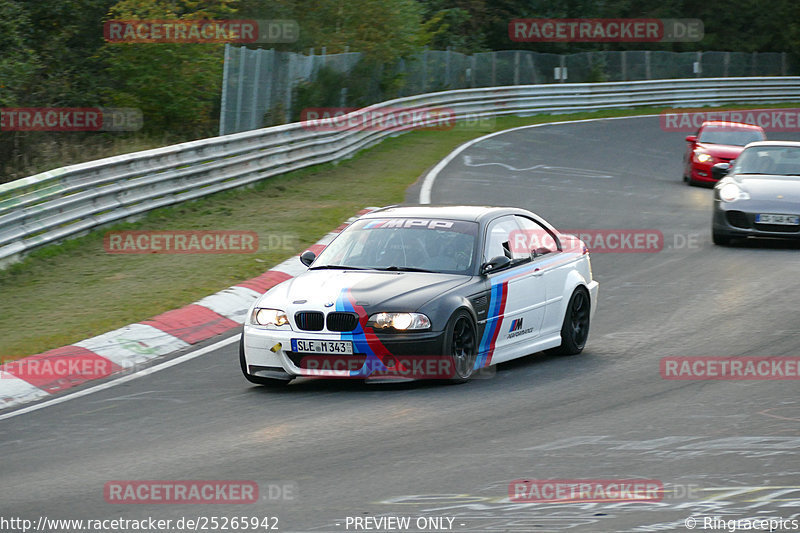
(323, 451)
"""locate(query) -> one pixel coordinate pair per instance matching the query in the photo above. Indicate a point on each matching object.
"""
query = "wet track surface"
(425, 450)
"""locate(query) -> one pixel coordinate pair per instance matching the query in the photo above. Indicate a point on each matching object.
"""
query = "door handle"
(538, 272)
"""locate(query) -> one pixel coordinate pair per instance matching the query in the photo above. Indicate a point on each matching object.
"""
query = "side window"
(498, 239)
(533, 238)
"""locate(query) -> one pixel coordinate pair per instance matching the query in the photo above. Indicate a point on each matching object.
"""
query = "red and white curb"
(39, 376)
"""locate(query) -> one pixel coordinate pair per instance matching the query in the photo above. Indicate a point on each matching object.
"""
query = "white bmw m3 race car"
(424, 293)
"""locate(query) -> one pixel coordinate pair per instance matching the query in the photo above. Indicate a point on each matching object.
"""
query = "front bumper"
(737, 219)
(593, 287)
(701, 172)
(268, 353)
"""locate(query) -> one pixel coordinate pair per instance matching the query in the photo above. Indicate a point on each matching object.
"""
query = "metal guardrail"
(72, 200)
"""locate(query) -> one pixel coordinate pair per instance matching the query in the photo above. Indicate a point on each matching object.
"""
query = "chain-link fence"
(258, 85)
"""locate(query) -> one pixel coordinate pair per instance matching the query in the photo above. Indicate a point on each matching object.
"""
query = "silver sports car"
(759, 196)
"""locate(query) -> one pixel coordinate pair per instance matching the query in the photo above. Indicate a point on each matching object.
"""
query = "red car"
(716, 142)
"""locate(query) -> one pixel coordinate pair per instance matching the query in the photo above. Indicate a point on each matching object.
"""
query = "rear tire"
(258, 380)
(575, 329)
(461, 346)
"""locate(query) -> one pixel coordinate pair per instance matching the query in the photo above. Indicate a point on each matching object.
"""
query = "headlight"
(399, 321)
(730, 192)
(702, 157)
(269, 317)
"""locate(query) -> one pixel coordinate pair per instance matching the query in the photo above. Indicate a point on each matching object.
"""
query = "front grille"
(309, 320)
(777, 228)
(737, 219)
(341, 321)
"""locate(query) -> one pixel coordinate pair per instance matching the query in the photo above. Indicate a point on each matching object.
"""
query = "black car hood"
(374, 290)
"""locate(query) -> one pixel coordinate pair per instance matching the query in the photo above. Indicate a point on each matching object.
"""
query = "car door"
(517, 296)
(550, 264)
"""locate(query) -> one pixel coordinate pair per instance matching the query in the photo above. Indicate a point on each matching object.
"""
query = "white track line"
(430, 177)
(124, 379)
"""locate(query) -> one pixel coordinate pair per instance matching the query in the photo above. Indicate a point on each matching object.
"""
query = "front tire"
(258, 380)
(575, 328)
(461, 346)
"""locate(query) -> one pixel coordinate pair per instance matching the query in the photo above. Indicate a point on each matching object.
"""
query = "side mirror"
(495, 263)
(691, 138)
(720, 170)
(307, 257)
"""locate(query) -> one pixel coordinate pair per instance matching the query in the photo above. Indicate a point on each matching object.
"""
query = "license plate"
(782, 220)
(317, 346)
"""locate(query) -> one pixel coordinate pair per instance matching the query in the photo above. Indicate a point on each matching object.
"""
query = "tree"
(383, 31)
(177, 86)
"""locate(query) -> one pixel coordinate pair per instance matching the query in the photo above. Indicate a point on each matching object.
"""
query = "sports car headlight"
(399, 321)
(271, 318)
(730, 192)
(703, 157)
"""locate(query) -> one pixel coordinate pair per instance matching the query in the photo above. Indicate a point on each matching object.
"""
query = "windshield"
(774, 160)
(733, 137)
(446, 246)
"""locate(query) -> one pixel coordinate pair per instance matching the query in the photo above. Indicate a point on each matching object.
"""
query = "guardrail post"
(647, 74)
(562, 61)
(532, 63)
(425, 69)
(624, 61)
(226, 65)
(271, 60)
(254, 114)
(287, 111)
(726, 63)
(240, 89)
(447, 68)
(472, 66)
(494, 69)
(516, 67)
